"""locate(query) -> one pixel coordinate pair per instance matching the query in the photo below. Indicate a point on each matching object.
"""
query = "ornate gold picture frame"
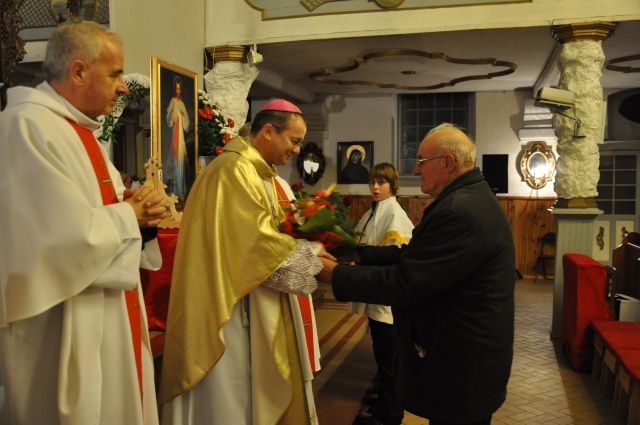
(174, 139)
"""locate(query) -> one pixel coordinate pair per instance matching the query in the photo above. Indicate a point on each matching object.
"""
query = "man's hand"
(148, 204)
(326, 274)
(324, 253)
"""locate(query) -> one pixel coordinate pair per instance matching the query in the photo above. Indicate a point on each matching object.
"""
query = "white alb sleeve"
(297, 273)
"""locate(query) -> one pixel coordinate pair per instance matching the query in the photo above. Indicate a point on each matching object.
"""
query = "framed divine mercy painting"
(174, 120)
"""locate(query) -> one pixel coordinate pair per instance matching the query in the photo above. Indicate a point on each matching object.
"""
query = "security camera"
(253, 57)
(554, 98)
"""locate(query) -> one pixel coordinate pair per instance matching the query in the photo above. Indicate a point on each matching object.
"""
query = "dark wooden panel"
(529, 218)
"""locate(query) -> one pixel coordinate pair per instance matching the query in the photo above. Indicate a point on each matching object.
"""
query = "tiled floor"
(543, 388)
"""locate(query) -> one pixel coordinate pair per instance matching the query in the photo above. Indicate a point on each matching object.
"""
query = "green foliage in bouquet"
(322, 217)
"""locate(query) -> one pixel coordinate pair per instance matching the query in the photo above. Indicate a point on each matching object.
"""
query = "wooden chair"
(610, 291)
(546, 254)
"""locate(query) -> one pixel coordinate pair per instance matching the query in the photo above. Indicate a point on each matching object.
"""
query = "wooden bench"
(617, 357)
(627, 389)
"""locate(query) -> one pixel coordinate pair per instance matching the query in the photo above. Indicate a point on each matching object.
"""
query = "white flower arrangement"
(215, 129)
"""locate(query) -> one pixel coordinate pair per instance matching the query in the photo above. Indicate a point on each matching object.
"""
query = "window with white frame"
(617, 184)
(419, 113)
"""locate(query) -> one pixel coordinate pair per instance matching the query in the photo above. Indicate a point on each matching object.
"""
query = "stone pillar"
(578, 131)
(229, 81)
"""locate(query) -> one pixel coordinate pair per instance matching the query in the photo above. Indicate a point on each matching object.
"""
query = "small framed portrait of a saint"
(355, 160)
(174, 117)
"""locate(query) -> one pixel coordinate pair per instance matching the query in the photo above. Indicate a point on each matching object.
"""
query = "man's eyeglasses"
(420, 161)
(296, 143)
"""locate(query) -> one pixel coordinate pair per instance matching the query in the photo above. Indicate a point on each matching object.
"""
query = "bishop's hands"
(148, 204)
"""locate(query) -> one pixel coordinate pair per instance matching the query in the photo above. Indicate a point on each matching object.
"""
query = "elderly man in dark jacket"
(451, 289)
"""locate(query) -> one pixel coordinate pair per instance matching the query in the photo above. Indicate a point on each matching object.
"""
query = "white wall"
(364, 118)
(350, 119)
(499, 117)
(165, 29)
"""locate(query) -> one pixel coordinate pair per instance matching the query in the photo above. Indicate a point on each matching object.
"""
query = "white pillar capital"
(229, 81)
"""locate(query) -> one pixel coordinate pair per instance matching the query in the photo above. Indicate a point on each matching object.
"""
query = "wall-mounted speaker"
(495, 169)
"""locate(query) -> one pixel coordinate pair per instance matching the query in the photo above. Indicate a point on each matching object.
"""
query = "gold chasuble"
(228, 245)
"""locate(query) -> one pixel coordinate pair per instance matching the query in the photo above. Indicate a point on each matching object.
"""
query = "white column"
(574, 235)
(578, 130)
(577, 174)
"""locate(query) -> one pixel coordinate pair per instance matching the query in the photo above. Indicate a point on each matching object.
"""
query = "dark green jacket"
(451, 289)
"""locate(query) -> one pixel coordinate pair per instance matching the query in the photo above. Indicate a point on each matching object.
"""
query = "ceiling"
(286, 68)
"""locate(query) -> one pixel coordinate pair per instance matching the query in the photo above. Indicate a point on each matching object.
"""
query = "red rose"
(226, 137)
(309, 209)
(297, 187)
(348, 201)
(330, 240)
(324, 203)
(219, 150)
(206, 112)
(290, 226)
(231, 123)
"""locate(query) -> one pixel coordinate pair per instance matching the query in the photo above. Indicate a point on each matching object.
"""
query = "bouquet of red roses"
(321, 217)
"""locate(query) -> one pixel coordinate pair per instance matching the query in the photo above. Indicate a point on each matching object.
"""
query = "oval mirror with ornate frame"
(311, 163)
(537, 164)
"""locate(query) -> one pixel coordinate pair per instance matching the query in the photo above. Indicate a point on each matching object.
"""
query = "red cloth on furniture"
(604, 327)
(630, 361)
(616, 342)
(583, 301)
(156, 285)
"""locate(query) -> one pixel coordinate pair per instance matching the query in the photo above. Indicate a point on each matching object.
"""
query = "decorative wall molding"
(609, 64)
(280, 9)
(321, 76)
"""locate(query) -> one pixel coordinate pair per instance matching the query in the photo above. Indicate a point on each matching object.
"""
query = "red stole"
(303, 301)
(109, 196)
